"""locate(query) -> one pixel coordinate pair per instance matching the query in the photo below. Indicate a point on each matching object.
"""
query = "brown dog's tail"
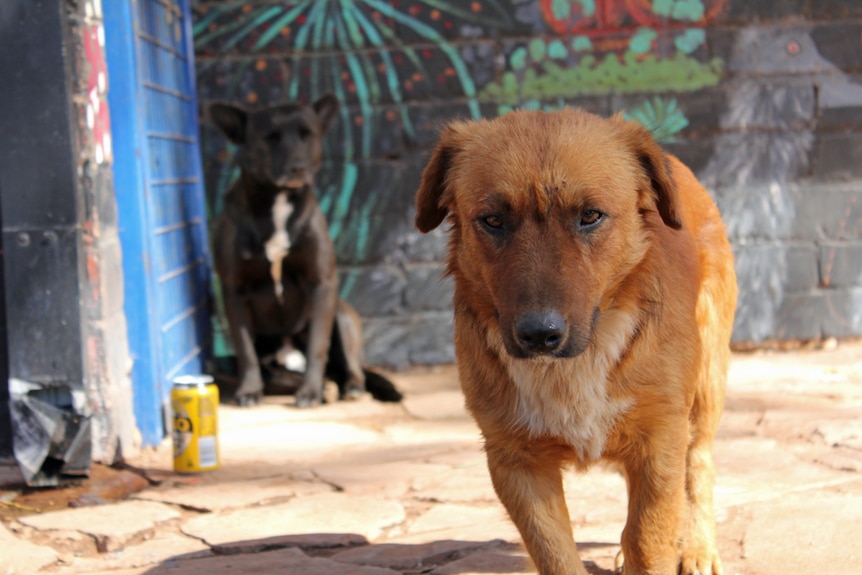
(380, 387)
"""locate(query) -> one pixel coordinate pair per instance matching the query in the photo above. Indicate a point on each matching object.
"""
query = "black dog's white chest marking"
(278, 244)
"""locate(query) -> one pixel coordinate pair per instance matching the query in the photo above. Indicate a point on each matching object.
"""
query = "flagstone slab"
(456, 485)
(419, 433)
(301, 440)
(461, 522)
(324, 520)
(405, 557)
(810, 532)
(511, 561)
(385, 479)
(594, 497)
(758, 469)
(161, 548)
(843, 431)
(21, 557)
(440, 405)
(110, 525)
(234, 494)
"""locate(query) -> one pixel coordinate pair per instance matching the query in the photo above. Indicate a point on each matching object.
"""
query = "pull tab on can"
(194, 405)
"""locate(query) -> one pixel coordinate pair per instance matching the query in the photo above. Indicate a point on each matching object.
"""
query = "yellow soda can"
(194, 403)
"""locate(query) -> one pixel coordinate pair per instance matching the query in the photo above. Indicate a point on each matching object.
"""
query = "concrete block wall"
(762, 99)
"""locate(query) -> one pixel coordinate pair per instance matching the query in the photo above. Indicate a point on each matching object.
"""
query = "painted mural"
(383, 58)
(757, 100)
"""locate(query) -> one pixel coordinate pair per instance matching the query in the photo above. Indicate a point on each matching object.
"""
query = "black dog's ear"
(232, 121)
(662, 191)
(325, 108)
(432, 197)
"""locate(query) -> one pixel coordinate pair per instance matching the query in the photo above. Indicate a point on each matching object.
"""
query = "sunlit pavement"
(377, 489)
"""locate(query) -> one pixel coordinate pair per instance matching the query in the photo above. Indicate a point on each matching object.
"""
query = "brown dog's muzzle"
(540, 333)
(545, 333)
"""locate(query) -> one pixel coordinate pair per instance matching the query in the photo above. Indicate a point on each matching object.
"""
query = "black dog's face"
(279, 147)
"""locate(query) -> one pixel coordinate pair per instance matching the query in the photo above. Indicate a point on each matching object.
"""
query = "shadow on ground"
(297, 555)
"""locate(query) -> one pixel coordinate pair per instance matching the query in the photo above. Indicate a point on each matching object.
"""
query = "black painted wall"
(5, 414)
(65, 330)
(762, 99)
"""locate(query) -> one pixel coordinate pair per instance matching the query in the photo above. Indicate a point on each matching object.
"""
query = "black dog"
(275, 258)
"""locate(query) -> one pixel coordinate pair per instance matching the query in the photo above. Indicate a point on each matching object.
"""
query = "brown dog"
(594, 300)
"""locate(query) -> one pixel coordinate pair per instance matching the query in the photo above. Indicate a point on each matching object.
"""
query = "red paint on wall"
(612, 15)
(98, 118)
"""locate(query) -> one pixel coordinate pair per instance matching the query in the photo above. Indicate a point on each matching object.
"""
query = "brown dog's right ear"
(662, 191)
(431, 197)
(230, 120)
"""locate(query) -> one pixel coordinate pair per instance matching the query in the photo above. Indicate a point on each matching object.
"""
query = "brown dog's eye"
(493, 222)
(590, 218)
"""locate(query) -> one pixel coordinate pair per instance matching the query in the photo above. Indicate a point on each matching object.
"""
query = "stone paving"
(366, 488)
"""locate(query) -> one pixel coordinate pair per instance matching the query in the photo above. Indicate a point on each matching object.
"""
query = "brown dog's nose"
(540, 332)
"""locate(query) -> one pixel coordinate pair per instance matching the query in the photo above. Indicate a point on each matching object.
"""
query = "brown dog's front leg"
(656, 486)
(529, 482)
(323, 301)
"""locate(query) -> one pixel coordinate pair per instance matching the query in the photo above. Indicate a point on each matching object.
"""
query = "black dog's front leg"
(250, 390)
(323, 301)
(230, 264)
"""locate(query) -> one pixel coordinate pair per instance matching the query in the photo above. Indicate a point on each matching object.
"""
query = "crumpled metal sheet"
(51, 437)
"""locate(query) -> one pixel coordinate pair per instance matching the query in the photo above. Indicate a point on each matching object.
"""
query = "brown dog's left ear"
(657, 168)
(431, 204)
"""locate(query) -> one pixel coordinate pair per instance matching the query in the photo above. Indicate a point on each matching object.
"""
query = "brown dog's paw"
(691, 563)
(701, 561)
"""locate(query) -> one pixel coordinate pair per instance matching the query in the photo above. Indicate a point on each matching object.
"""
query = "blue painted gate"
(160, 198)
